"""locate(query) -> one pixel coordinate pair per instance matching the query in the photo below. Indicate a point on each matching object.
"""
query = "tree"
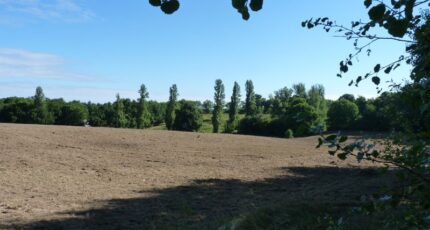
(188, 117)
(316, 99)
(250, 103)
(342, 115)
(207, 106)
(218, 110)
(40, 113)
(280, 101)
(300, 117)
(171, 107)
(120, 120)
(73, 113)
(233, 109)
(143, 114)
(300, 90)
(348, 97)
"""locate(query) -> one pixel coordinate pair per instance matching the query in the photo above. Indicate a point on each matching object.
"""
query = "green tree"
(171, 107)
(280, 101)
(40, 113)
(207, 106)
(342, 115)
(300, 90)
(233, 109)
(143, 114)
(188, 117)
(316, 99)
(73, 113)
(250, 103)
(348, 97)
(120, 120)
(300, 117)
(217, 113)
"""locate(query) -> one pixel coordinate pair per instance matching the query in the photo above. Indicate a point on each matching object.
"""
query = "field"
(86, 178)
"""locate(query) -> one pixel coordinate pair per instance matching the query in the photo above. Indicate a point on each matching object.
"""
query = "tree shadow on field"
(205, 204)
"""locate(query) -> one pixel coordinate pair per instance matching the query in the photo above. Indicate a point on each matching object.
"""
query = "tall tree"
(40, 112)
(143, 114)
(219, 97)
(120, 120)
(300, 90)
(316, 99)
(250, 103)
(233, 109)
(171, 107)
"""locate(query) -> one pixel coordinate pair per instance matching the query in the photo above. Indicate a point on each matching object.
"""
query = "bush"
(188, 117)
(342, 114)
(289, 133)
(254, 125)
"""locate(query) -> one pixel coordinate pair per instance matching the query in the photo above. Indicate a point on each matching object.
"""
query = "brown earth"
(84, 178)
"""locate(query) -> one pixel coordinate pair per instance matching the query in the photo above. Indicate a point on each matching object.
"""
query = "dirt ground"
(84, 178)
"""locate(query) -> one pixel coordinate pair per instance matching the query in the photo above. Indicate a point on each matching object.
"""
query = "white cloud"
(29, 64)
(55, 10)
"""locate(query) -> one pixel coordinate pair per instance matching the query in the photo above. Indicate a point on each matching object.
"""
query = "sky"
(89, 50)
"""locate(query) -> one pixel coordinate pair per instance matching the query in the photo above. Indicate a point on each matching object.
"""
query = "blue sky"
(90, 50)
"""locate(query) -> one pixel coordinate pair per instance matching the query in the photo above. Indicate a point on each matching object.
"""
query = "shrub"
(289, 133)
(188, 117)
(254, 125)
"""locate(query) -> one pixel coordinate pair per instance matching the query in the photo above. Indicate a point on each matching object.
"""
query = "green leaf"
(376, 80)
(169, 7)
(377, 68)
(238, 4)
(155, 2)
(367, 3)
(331, 137)
(344, 68)
(245, 13)
(388, 69)
(256, 5)
(343, 139)
(342, 156)
(320, 142)
(377, 13)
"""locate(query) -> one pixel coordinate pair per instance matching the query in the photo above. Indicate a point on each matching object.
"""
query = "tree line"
(288, 112)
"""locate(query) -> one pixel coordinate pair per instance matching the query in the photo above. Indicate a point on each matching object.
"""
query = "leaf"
(320, 142)
(342, 156)
(331, 137)
(169, 7)
(332, 152)
(245, 13)
(367, 3)
(304, 23)
(377, 12)
(388, 70)
(155, 2)
(256, 5)
(344, 68)
(376, 80)
(377, 68)
(343, 139)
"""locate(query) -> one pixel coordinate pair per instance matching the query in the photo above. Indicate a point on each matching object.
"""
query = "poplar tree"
(250, 103)
(233, 109)
(171, 107)
(143, 114)
(120, 120)
(217, 112)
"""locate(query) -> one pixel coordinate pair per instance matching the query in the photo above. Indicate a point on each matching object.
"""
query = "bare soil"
(84, 178)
